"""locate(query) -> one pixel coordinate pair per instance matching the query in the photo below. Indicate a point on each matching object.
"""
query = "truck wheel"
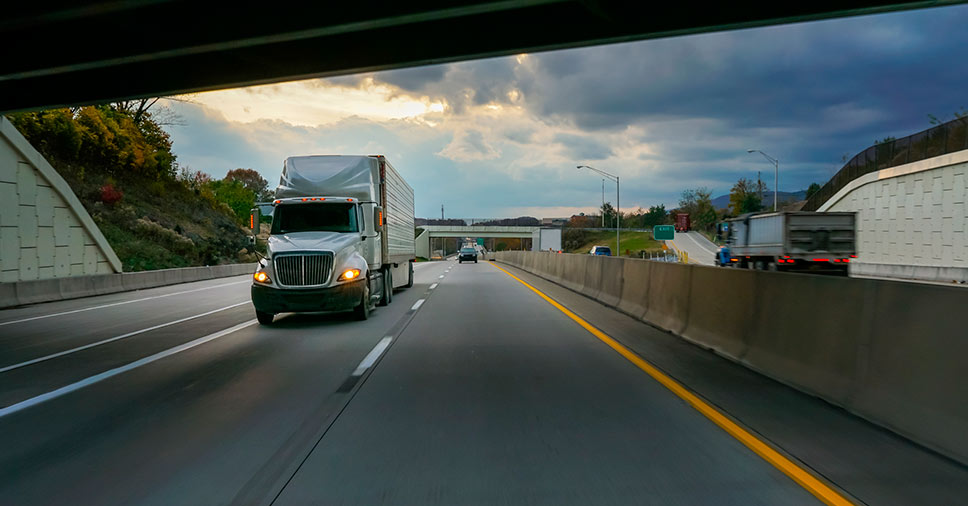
(387, 295)
(264, 318)
(410, 276)
(362, 311)
(772, 267)
(759, 265)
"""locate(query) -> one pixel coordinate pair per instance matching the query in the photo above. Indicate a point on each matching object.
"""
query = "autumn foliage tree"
(253, 181)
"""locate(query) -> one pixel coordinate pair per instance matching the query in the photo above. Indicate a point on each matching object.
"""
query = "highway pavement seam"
(113, 304)
(764, 450)
(115, 338)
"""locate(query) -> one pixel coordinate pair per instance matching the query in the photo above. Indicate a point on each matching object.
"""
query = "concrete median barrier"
(573, 272)
(592, 284)
(48, 290)
(668, 302)
(913, 379)
(891, 352)
(806, 331)
(722, 303)
(637, 280)
(612, 275)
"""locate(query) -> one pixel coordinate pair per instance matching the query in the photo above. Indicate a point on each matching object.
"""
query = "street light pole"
(776, 174)
(603, 202)
(618, 206)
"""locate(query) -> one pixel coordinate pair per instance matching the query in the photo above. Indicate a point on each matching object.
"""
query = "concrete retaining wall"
(892, 352)
(47, 290)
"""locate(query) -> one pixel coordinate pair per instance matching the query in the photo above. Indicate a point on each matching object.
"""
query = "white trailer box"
(545, 239)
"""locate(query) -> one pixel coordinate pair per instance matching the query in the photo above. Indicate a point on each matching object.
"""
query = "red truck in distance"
(682, 222)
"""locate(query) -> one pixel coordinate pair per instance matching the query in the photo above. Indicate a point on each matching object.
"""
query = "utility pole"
(603, 203)
(441, 212)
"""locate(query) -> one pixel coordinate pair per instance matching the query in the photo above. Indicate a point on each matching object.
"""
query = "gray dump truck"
(792, 241)
(342, 237)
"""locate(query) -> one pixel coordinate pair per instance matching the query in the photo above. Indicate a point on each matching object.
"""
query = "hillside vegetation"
(120, 165)
(581, 241)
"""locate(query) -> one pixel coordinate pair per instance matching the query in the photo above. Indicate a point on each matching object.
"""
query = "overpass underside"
(218, 47)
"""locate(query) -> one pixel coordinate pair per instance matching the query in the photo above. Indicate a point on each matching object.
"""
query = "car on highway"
(467, 254)
(601, 250)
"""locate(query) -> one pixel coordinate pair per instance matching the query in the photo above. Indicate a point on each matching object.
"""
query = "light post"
(618, 206)
(776, 173)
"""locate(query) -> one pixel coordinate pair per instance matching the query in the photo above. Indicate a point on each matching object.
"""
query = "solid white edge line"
(417, 305)
(32, 318)
(433, 286)
(33, 401)
(112, 339)
(371, 357)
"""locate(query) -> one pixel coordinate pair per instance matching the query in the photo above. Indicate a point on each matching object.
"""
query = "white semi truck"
(342, 237)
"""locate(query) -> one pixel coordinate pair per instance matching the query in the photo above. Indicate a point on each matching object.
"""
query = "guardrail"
(48, 290)
(888, 351)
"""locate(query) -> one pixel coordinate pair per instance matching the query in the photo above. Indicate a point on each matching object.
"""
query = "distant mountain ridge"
(722, 201)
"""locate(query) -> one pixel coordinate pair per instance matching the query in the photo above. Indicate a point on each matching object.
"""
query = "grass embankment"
(634, 242)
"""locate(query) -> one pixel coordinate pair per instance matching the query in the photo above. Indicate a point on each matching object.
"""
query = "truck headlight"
(261, 277)
(349, 274)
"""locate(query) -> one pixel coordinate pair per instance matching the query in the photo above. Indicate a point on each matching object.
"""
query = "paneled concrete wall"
(45, 232)
(911, 216)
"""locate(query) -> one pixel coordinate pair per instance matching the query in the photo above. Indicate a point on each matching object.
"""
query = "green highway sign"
(663, 232)
(480, 240)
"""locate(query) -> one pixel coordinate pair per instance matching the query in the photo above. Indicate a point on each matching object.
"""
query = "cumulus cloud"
(469, 146)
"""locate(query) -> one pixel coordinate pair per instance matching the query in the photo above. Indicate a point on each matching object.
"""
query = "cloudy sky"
(501, 137)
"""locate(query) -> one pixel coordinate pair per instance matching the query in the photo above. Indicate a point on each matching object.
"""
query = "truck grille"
(304, 270)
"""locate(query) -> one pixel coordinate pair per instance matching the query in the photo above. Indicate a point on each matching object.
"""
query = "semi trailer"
(791, 241)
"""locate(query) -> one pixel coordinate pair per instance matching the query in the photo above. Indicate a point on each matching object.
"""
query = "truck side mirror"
(254, 221)
(377, 219)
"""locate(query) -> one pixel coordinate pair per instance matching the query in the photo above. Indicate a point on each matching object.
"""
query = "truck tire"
(362, 311)
(410, 276)
(264, 318)
(387, 296)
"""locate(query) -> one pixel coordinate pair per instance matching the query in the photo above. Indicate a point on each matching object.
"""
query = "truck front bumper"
(342, 297)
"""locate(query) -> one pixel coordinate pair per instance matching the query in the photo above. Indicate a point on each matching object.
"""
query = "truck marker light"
(853, 256)
(305, 200)
(846, 260)
(821, 259)
(349, 200)
(261, 277)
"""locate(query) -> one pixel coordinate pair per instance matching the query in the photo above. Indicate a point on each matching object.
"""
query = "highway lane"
(216, 423)
(699, 249)
(469, 389)
(493, 396)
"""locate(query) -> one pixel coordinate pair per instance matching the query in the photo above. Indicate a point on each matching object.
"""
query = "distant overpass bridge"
(426, 243)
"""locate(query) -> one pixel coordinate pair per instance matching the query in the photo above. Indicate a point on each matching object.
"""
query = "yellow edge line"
(802, 477)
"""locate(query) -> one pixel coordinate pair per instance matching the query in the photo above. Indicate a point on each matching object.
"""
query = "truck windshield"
(314, 218)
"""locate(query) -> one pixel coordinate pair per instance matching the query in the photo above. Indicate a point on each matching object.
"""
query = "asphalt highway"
(701, 251)
(470, 388)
